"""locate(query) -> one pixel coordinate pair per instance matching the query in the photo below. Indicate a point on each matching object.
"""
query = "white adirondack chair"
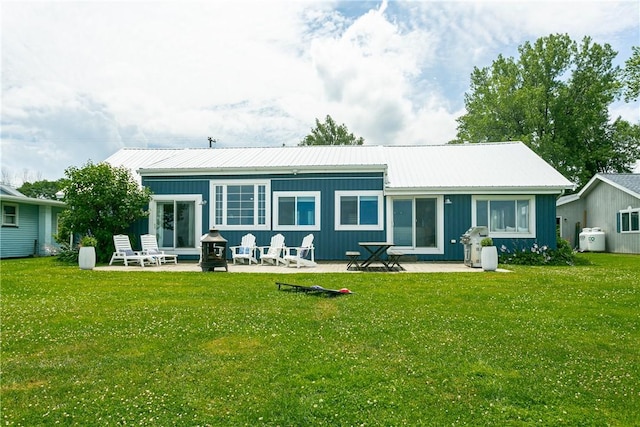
(246, 250)
(125, 254)
(303, 255)
(149, 245)
(273, 252)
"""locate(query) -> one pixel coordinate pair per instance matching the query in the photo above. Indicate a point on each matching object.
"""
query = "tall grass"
(537, 346)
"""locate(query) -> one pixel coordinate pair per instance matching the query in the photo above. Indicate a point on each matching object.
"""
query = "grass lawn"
(537, 346)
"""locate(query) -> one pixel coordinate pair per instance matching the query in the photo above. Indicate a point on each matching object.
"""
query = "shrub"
(67, 254)
(487, 241)
(88, 241)
(539, 255)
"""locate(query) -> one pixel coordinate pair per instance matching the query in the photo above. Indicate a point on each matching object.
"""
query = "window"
(505, 216)
(176, 220)
(629, 220)
(296, 211)
(358, 210)
(9, 215)
(240, 204)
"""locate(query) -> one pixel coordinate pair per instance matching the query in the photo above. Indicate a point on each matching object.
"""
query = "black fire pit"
(214, 249)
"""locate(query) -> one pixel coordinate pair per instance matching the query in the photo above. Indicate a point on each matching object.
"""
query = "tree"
(631, 76)
(102, 200)
(328, 133)
(555, 98)
(42, 189)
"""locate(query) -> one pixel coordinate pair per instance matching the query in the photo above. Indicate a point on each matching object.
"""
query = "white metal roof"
(500, 167)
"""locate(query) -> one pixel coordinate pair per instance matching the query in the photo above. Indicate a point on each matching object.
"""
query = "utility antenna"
(211, 142)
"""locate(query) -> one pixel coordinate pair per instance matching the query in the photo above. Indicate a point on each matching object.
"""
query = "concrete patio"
(321, 267)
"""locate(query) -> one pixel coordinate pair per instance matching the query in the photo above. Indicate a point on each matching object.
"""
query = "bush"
(487, 241)
(67, 254)
(539, 255)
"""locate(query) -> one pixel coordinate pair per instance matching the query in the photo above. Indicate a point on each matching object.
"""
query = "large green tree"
(102, 200)
(631, 76)
(555, 98)
(329, 133)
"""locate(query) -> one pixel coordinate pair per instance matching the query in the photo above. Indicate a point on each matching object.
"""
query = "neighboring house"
(608, 201)
(422, 198)
(28, 224)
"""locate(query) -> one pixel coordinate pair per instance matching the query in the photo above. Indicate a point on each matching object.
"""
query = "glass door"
(175, 224)
(415, 222)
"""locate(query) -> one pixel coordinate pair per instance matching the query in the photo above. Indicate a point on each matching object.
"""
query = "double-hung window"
(629, 220)
(505, 216)
(296, 210)
(240, 204)
(9, 215)
(358, 210)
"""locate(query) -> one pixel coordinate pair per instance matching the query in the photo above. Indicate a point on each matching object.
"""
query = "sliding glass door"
(415, 222)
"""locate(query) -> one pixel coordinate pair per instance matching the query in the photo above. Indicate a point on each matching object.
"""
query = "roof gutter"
(277, 170)
(32, 201)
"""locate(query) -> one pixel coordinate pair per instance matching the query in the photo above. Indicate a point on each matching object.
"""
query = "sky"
(83, 79)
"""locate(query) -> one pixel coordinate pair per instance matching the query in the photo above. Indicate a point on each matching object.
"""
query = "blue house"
(28, 224)
(421, 198)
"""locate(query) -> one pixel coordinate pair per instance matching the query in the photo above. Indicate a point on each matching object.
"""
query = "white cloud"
(82, 79)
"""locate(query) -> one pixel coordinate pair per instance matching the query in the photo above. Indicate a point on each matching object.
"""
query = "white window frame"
(629, 211)
(224, 184)
(278, 194)
(419, 250)
(358, 227)
(530, 234)
(197, 226)
(15, 216)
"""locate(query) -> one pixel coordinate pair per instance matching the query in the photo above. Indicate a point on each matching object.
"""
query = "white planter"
(489, 258)
(87, 258)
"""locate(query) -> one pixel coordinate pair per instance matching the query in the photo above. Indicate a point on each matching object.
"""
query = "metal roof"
(8, 194)
(507, 166)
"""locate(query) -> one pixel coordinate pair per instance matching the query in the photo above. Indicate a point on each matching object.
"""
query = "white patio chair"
(273, 252)
(246, 250)
(149, 244)
(124, 252)
(303, 255)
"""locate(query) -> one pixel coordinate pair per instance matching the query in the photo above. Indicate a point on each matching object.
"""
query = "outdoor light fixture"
(447, 201)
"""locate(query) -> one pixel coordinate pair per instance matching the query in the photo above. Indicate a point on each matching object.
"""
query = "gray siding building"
(610, 202)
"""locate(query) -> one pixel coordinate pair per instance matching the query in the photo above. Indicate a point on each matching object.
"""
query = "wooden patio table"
(375, 250)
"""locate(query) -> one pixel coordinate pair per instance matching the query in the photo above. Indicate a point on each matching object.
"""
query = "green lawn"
(537, 346)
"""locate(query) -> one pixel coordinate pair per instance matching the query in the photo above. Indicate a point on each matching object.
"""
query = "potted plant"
(87, 254)
(489, 255)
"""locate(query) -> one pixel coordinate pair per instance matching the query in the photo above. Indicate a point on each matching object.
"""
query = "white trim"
(16, 216)
(530, 234)
(357, 227)
(197, 226)
(419, 250)
(629, 211)
(246, 182)
(315, 194)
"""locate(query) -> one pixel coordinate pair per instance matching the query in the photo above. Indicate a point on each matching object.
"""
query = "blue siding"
(457, 220)
(331, 244)
(545, 226)
(20, 241)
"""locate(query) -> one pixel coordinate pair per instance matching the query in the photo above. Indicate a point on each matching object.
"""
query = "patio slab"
(321, 267)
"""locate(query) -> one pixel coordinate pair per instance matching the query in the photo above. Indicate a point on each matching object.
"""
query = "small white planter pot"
(87, 258)
(489, 258)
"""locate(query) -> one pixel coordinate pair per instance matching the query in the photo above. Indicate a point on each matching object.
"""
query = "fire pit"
(214, 248)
